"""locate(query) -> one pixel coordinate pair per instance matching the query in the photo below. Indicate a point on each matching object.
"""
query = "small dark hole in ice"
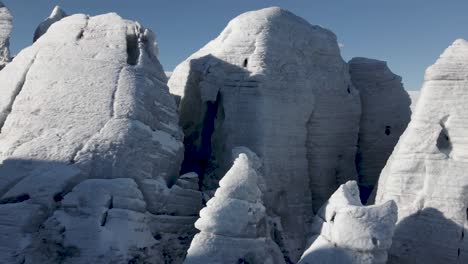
(349, 90)
(374, 241)
(58, 197)
(443, 141)
(246, 62)
(387, 130)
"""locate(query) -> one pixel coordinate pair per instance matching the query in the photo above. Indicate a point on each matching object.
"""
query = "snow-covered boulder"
(277, 85)
(87, 100)
(56, 15)
(5, 32)
(347, 232)
(385, 115)
(233, 224)
(426, 174)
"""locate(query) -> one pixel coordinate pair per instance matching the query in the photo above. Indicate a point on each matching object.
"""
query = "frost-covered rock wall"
(278, 85)
(426, 174)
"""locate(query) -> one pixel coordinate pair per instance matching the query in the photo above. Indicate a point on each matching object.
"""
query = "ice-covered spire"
(56, 15)
(233, 225)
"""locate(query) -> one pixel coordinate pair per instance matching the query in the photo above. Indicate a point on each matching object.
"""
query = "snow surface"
(5, 32)
(426, 174)
(272, 82)
(347, 232)
(385, 115)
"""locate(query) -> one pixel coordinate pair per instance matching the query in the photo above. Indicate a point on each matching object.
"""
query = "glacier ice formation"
(5, 32)
(271, 61)
(385, 115)
(347, 232)
(426, 174)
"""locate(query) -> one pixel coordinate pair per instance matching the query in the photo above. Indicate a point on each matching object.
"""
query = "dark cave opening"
(133, 51)
(198, 156)
(443, 141)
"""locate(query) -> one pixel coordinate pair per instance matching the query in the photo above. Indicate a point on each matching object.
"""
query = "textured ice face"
(347, 232)
(277, 85)
(5, 32)
(385, 115)
(88, 100)
(426, 174)
(233, 225)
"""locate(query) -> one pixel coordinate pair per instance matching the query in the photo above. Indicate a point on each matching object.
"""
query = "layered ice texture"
(426, 174)
(5, 32)
(90, 149)
(277, 85)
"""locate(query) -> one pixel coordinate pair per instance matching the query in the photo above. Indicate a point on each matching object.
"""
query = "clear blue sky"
(409, 34)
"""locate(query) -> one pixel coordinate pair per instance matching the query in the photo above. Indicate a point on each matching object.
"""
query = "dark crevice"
(333, 217)
(104, 219)
(245, 63)
(111, 203)
(198, 157)
(17, 199)
(348, 89)
(133, 51)
(80, 34)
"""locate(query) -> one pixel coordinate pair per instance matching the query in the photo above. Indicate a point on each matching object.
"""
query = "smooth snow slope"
(277, 85)
(88, 137)
(426, 174)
